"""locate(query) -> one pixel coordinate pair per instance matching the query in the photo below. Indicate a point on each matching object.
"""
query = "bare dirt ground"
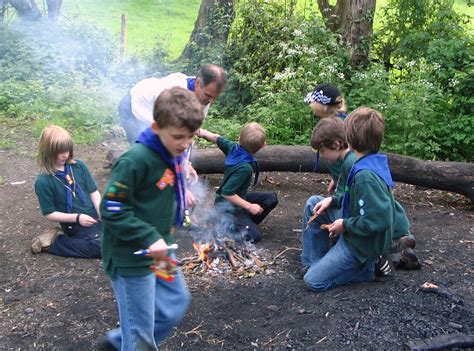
(54, 303)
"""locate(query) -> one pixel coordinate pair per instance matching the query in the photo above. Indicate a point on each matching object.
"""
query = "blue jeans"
(149, 308)
(316, 242)
(77, 241)
(338, 267)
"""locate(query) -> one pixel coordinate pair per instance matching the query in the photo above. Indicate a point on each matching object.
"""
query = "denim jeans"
(132, 125)
(338, 267)
(149, 308)
(77, 241)
(316, 242)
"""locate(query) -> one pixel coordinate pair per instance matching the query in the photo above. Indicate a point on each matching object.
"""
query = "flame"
(203, 250)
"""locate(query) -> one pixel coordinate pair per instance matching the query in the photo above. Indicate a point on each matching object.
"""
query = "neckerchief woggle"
(152, 141)
(376, 163)
(71, 186)
(239, 155)
(341, 115)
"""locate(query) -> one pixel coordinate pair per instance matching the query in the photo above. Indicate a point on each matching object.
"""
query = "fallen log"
(441, 342)
(457, 177)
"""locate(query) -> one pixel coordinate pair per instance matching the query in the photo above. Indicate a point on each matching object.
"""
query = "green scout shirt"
(138, 209)
(370, 225)
(237, 178)
(51, 192)
(402, 225)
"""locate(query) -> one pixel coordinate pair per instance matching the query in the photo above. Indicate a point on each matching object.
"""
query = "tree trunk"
(26, 10)
(451, 176)
(359, 34)
(354, 19)
(211, 29)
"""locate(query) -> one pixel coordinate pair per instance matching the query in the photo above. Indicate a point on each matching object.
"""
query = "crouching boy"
(247, 210)
(369, 210)
(144, 199)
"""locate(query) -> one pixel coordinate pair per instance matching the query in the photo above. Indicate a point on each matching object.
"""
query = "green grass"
(145, 20)
(169, 19)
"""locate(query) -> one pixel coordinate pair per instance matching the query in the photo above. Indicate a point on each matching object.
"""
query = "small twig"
(285, 250)
(321, 340)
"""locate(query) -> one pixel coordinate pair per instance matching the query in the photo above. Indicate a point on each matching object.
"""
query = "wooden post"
(122, 37)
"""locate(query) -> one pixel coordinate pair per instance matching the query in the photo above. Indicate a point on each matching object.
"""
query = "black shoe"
(383, 266)
(105, 345)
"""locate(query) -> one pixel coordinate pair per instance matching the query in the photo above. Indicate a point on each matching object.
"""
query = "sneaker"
(408, 260)
(383, 266)
(43, 241)
(105, 345)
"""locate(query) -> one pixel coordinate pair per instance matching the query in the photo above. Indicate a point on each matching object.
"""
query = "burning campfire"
(224, 255)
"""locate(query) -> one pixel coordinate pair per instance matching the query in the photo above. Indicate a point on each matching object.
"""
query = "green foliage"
(274, 57)
(54, 73)
(431, 54)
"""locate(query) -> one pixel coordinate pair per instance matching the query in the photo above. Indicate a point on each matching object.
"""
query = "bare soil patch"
(54, 303)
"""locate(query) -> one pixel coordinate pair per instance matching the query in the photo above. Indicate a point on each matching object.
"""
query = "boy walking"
(246, 209)
(144, 198)
(369, 209)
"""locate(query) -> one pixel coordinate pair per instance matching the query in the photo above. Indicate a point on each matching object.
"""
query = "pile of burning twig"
(224, 255)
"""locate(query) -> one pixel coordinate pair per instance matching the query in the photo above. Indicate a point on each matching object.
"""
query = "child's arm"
(236, 200)
(96, 198)
(209, 136)
(79, 218)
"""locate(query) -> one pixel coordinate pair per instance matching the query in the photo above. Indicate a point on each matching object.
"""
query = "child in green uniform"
(67, 194)
(369, 209)
(246, 210)
(328, 137)
(326, 101)
(144, 199)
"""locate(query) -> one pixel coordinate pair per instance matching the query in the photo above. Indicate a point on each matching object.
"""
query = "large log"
(451, 176)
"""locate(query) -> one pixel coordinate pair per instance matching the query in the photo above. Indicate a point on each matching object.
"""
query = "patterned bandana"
(152, 141)
(325, 94)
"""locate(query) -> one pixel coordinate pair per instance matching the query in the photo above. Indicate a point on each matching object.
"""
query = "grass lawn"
(172, 20)
(145, 20)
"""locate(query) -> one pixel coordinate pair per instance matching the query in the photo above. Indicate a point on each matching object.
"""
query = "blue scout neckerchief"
(191, 81)
(341, 115)
(152, 141)
(239, 155)
(376, 163)
(67, 179)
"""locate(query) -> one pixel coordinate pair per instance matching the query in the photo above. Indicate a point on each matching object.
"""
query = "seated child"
(326, 101)
(368, 209)
(246, 209)
(328, 137)
(67, 194)
(145, 198)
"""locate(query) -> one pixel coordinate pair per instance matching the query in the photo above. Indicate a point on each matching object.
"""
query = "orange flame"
(202, 250)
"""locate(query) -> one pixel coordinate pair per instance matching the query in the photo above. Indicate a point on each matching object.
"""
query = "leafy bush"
(58, 74)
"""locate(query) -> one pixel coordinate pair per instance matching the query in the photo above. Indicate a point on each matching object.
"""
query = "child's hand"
(322, 205)
(191, 200)
(336, 228)
(158, 248)
(255, 209)
(86, 220)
